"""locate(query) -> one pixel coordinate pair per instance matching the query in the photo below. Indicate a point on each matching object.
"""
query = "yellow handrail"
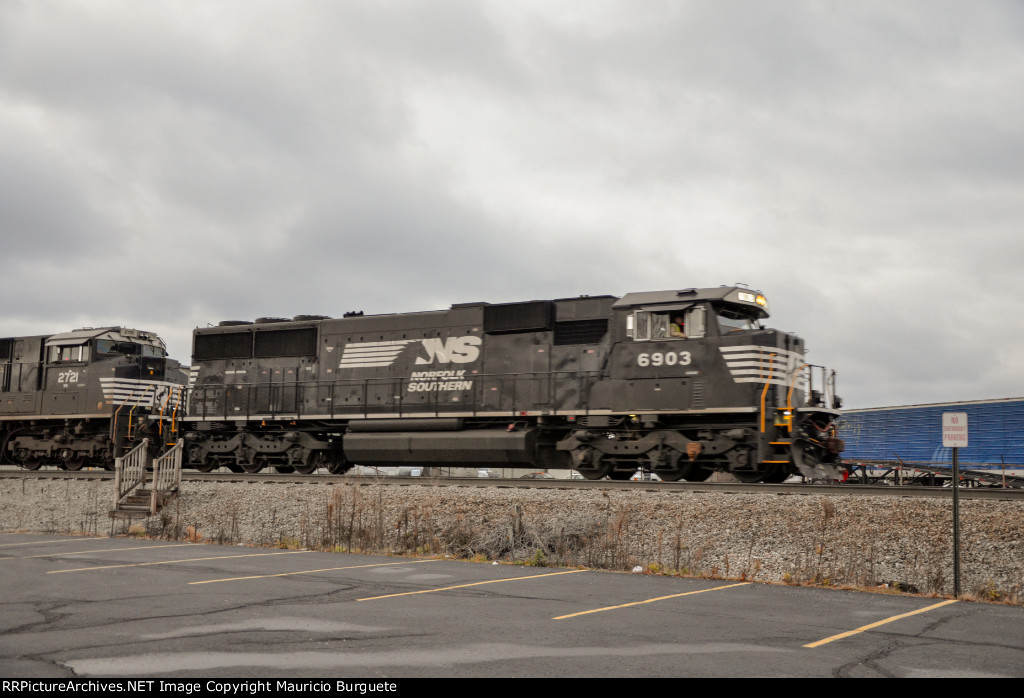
(767, 382)
(131, 412)
(174, 412)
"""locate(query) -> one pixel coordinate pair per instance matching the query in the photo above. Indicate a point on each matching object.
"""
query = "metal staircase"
(145, 484)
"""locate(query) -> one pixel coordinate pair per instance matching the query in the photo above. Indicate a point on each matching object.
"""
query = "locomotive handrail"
(130, 470)
(131, 412)
(789, 393)
(174, 410)
(767, 383)
(166, 474)
(828, 384)
(545, 382)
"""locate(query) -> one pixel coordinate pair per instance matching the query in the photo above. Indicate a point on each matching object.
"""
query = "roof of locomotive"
(580, 307)
(736, 296)
(118, 334)
(572, 308)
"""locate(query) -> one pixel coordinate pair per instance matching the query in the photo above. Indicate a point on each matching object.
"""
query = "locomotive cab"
(707, 387)
(110, 355)
(693, 314)
(135, 360)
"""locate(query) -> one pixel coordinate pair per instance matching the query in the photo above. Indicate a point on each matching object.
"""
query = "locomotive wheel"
(673, 475)
(255, 466)
(207, 466)
(601, 466)
(32, 464)
(74, 464)
(307, 469)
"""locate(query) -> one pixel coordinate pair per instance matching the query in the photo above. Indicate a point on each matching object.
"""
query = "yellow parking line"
(471, 584)
(108, 550)
(637, 603)
(861, 629)
(171, 562)
(327, 569)
(48, 542)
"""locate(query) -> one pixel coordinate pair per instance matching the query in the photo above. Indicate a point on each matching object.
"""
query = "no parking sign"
(954, 429)
(954, 436)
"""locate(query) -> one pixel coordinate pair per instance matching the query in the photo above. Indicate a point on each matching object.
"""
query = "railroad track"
(795, 489)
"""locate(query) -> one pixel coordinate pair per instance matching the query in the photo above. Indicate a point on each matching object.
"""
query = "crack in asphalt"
(870, 661)
(50, 610)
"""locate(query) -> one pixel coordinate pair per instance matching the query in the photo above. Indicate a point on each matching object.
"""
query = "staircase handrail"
(130, 470)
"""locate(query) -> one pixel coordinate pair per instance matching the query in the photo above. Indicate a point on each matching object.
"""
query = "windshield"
(732, 321)
(109, 346)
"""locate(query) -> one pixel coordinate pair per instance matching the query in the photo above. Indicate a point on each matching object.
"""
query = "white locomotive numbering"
(67, 377)
(670, 358)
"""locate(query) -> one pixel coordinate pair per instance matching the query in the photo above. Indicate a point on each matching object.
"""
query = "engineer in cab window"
(677, 328)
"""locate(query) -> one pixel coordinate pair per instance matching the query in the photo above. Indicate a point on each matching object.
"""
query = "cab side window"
(66, 354)
(645, 325)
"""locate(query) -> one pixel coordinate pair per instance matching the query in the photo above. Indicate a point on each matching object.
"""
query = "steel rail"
(797, 489)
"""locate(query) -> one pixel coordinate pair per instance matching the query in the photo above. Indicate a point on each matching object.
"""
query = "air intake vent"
(580, 331)
(535, 316)
(285, 343)
(226, 345)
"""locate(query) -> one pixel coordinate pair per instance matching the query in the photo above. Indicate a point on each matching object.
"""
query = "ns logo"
(451, 350)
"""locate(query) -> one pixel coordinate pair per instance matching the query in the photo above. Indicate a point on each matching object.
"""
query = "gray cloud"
(168, 165)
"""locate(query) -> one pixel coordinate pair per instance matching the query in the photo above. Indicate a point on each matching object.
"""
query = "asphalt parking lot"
(75, 606)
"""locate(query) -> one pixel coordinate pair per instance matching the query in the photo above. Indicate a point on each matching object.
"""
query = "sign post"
(954, 435)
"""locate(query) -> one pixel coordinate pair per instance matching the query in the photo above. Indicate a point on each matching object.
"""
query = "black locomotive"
(680, 383)
(82, 398)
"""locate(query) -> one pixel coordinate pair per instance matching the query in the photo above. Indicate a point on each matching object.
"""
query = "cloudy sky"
(166, 165)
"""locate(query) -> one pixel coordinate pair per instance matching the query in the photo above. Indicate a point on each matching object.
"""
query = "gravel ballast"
(865, 542)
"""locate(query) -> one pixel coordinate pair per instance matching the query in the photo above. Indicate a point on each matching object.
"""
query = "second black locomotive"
(681, 383)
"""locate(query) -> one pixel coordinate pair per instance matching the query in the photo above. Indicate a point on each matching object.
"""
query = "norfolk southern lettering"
(438, 380)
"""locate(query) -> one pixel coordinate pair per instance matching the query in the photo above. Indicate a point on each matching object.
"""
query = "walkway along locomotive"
(682, 383)
(82, 398)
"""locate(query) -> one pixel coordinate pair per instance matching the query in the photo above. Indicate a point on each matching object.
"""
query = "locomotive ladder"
(134, 499)
(138, 396)
(168, 421)
(172, 401)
